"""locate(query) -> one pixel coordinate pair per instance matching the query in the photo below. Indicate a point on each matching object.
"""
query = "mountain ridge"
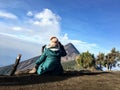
(71, 50)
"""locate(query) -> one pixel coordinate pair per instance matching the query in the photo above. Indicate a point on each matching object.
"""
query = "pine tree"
(101, 60)
(86, 60)
(112, 58)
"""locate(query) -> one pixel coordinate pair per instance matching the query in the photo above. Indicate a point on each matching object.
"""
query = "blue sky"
(89, 24)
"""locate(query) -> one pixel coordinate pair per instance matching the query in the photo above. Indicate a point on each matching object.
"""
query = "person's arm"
(43, 48)
(62, 50)
(41, 59)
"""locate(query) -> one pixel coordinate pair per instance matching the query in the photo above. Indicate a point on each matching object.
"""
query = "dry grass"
(71, 80)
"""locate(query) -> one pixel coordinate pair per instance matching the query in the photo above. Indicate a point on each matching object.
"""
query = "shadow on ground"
(28, 79)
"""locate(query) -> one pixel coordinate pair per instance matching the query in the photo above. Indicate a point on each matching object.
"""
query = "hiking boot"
(33, 71)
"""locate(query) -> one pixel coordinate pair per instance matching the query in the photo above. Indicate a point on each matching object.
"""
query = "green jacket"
(50, 61)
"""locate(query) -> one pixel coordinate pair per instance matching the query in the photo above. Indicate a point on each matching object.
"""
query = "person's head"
(54, 41)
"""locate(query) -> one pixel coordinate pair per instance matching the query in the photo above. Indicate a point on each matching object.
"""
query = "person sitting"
(50, 60)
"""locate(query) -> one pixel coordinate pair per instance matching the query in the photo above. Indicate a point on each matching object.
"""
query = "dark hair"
(53, 38)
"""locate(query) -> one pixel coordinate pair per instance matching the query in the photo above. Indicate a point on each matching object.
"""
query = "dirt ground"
(71, 80)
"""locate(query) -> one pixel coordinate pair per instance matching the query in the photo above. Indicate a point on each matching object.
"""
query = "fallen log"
(15, 65)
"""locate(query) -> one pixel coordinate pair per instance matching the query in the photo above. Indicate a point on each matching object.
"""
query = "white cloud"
(44, 25)
(30, 13)
(17, 28)
(46, 17)
(8, 15)
(82, 46)
(38, 29)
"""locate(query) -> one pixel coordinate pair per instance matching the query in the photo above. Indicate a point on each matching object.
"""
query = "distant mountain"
(72, 52)
(29, 64)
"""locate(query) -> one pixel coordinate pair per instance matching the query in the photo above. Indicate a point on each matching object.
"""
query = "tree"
(118, 59)
(101, 60)
(86, 60)
(112, 58)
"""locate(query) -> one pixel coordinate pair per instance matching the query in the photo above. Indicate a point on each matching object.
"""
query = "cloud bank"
(37, 27)
(7, 15)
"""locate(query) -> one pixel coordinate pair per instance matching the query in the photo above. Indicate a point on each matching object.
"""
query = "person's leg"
(34, 70)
